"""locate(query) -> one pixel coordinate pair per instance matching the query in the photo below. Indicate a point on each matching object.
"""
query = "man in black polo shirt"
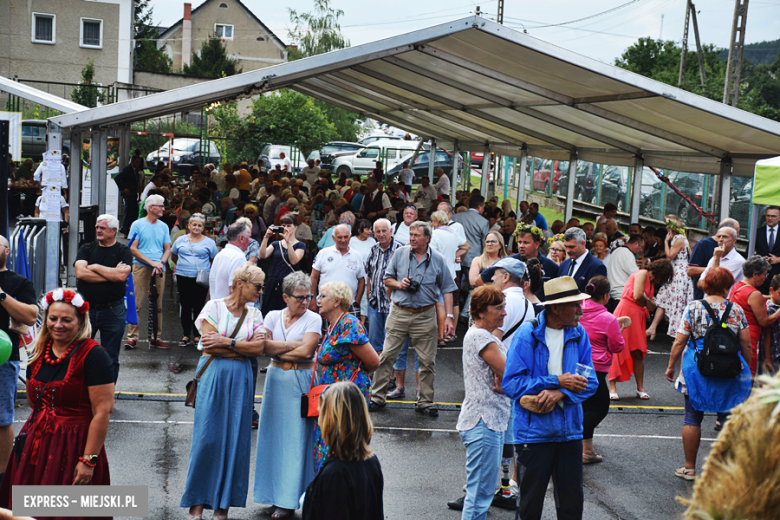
(17, 301)
(102, 268)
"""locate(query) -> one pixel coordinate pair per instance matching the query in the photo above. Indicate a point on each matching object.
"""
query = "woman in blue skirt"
(285, 441)
(231, 330)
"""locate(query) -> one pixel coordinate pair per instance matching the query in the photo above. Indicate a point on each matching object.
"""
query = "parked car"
(421, 166)
(741, 203)
(270, 154)
(585, 182)
(379, 136)
(331, 151)
(691, 184)
(614, 187)
(391, 152)
(546, 172)
(185, 150)
(33, 139)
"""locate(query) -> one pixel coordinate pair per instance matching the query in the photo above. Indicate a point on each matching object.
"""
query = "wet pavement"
(422, 458)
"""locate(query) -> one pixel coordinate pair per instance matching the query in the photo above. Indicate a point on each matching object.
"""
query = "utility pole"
(690, 12)
(500, 18)
(736, 46)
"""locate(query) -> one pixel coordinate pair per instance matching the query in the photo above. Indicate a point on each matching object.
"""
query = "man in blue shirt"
(539, 220)
(150, 243)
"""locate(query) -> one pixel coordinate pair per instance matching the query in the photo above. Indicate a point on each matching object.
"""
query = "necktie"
(771, 239)
(571, 267)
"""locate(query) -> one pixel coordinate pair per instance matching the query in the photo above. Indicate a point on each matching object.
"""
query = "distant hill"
(761, 52)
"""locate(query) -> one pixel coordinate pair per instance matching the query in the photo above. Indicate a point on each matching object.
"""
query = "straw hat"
(562, 290)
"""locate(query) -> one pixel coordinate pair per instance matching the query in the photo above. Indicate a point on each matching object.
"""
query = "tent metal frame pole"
(724, 185)
(432, 162)
(455, 171)
(53, 234)
(97, 153)
(571, 186)
(636, 188)
(520, 176)
(483, 184)
(74, 201)
(753, 227)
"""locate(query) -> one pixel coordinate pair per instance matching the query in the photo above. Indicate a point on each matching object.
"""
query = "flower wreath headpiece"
(66, 296)
(555, 238)
(675, 227)
(527, 228)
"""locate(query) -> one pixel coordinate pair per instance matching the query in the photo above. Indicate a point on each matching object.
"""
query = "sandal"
(591, 459)
(282, 513)
(184, 341)
(451, 338)
(614, 396)
(642, 395)
(651, 334)
(398, 393)
(442, 343)
(196, 340)
(685, 474)
(718, 426)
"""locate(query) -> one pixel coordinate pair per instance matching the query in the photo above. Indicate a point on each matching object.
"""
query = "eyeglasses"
(156, 205)
(304, 298)
(258, 286)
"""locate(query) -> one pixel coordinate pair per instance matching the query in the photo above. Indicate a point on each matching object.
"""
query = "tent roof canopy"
(475, 82)
(39, 96)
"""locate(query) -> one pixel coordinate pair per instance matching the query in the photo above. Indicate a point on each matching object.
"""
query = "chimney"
(186, 36)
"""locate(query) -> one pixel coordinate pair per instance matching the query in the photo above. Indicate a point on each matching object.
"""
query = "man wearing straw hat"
(548, 374)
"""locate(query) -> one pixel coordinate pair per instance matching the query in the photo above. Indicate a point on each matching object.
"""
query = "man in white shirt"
(228, 260)
(311, 172)
(622, 264)
(285, 162)
(339, 263)
(425, 194)
(401, 229)
(508, 276)
(725, 255)
(406, 177)
(443, 184)
(155, 182)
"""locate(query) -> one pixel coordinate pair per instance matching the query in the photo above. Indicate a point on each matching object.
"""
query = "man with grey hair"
(725, 255)
(339, 263)
(102, 268)
(442, 184)
(150, 243)
(701, 254)
(580, 264)
(417, 275)
(376, 265)
(239, 234)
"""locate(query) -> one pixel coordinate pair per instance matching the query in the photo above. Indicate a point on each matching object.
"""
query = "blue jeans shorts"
(9, 374)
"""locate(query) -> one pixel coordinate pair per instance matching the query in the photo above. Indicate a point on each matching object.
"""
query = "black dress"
(347, 490)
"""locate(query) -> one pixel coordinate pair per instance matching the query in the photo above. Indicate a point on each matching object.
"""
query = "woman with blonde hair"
(231, 331)
(492, 251)
(557, 250)
(345, 354)
(350, 483)
(70, 388)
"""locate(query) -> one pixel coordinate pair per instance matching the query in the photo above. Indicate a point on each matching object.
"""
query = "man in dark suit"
(768, 244)
(581, 265)
(475, 226)
(127, 181)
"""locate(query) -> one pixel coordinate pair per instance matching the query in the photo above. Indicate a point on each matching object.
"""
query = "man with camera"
(418, 277)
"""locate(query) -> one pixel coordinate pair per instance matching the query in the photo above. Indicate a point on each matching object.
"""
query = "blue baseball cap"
(511, 265)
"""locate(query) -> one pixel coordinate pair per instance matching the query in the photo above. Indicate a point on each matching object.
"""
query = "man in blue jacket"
(541, 379)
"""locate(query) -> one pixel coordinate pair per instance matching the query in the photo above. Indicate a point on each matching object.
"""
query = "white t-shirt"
(221, 274)
(457, 227)
(309, 322)
(303, 232)
(216, 313)
(63, 202)
(312, 174)
(622, 264)
(363, 247)
(401, 232)
(426, 195)
(286, 162)
(335, 267)
(516, 312)
(147, 189)
(447, 242)
(554, 339)
(443, 185)
(406, 176)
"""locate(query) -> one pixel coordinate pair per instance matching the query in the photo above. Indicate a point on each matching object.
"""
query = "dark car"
(330, 151)
(421, 166)
(741, 203)
(614, 187)
(691, 184)
(585, 181)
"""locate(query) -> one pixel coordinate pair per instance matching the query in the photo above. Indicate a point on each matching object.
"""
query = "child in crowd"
(772, 333)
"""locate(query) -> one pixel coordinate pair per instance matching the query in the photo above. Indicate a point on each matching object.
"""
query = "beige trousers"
(420, 327)
(142, 279)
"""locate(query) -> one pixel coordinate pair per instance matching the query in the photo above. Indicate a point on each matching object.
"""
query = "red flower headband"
(66, 296)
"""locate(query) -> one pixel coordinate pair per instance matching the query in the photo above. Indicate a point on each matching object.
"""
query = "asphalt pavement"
(422, 458)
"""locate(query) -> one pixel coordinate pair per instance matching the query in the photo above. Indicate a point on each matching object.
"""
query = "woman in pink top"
(605, 339)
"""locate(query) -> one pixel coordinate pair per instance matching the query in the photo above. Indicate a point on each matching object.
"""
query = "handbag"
(21, 439)
(192, 386)
(203, 274)
(310, 402)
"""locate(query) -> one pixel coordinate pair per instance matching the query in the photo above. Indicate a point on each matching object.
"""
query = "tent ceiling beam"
(521, 129)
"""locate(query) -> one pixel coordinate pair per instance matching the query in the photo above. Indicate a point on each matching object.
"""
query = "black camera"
(414, 286)
(277, 229)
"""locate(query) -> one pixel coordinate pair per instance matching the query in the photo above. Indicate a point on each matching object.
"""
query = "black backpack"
(719, 356)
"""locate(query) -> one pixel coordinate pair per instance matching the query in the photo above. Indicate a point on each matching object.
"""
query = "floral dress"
(674, 297)
(340, 364)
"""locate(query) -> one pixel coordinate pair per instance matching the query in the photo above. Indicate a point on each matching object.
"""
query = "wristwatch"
(233, 343)
(92, 459)
(450, 316)
(2, 296)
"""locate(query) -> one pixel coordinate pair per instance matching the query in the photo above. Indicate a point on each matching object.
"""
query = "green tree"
(212, 61)
(88, 93)
(147, 56)
(316, 33)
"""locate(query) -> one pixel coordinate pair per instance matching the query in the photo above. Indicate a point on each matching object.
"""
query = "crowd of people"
(336, 282)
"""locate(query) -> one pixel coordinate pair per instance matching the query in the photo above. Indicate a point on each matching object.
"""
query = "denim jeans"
(483, 465)
(111, 324)
(403, 358)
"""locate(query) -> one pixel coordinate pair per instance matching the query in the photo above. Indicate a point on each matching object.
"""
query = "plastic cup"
(584, 370)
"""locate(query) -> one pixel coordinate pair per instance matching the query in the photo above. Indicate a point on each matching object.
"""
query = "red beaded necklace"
(48, 353)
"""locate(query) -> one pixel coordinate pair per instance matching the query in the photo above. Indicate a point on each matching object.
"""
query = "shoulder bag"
(203, 274)
(192, 386)
(310, 403)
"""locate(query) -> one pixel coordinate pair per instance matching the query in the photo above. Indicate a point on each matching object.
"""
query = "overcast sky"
(602, 37)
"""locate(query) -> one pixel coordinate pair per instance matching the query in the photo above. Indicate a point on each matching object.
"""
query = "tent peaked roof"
(477, 82)
(39, 96)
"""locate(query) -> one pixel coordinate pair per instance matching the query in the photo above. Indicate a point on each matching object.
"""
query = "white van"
(391, 152)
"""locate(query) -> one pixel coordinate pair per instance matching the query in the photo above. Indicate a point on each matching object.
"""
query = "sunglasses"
(304, 298)
(258, 286)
